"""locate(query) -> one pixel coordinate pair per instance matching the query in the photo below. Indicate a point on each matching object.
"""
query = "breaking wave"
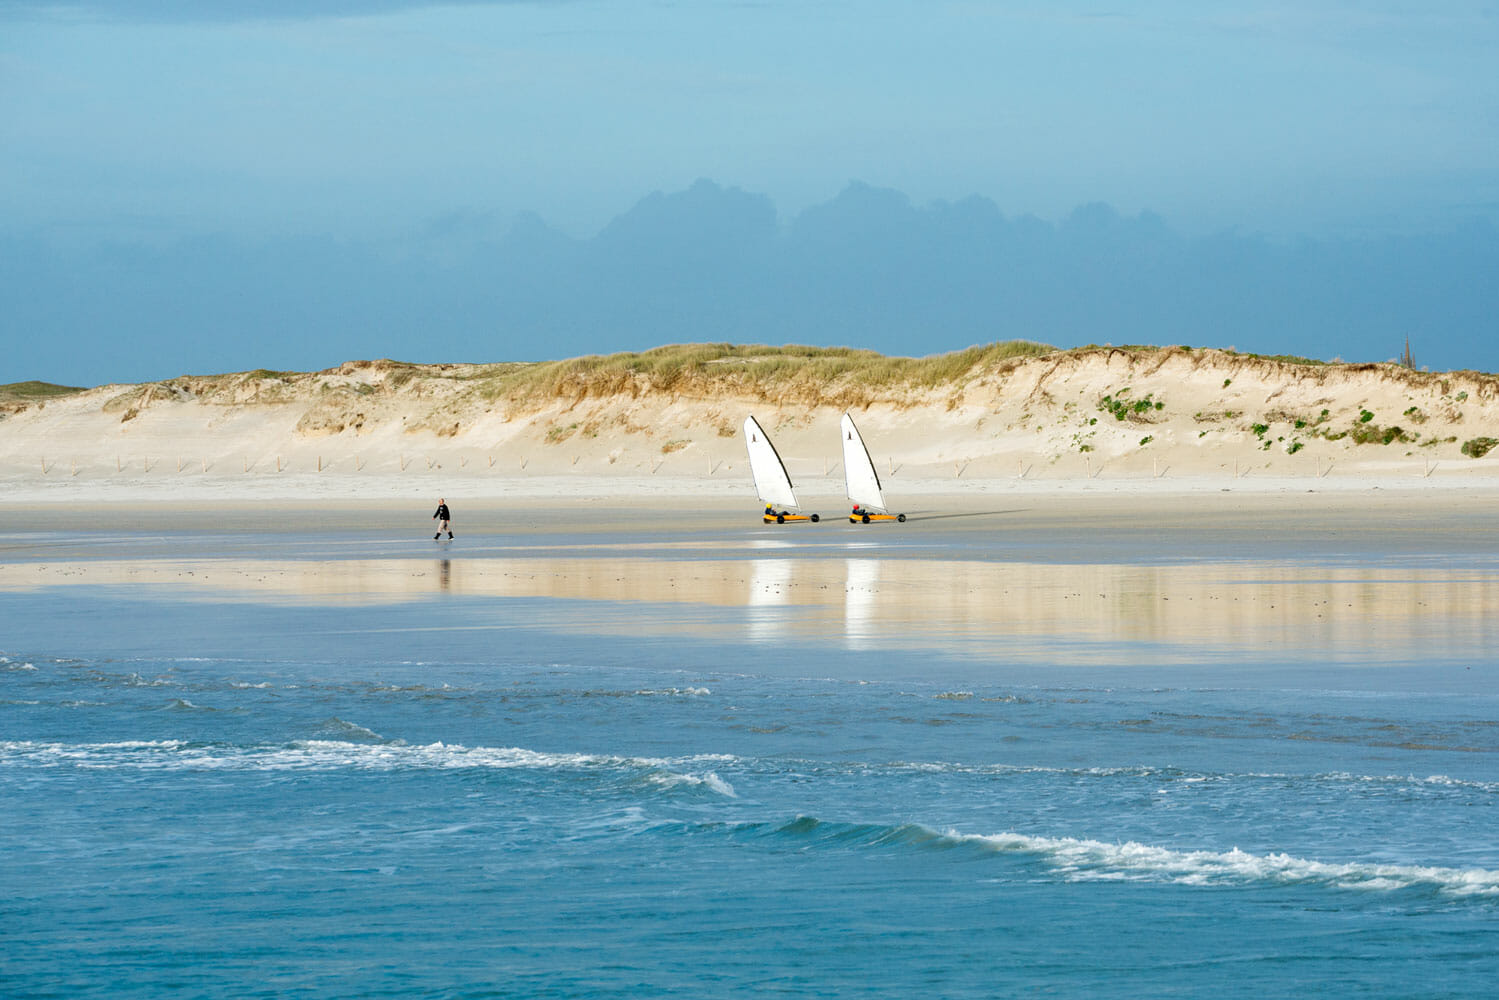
(1172, 774)
(338, 729)
(1084, 860)
(359, 750)
(708, 779)
(1080, 860)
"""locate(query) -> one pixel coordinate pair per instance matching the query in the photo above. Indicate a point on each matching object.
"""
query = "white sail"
(859, 478)
(771, 481)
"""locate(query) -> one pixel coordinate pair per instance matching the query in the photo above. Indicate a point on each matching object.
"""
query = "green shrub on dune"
(1479, 447)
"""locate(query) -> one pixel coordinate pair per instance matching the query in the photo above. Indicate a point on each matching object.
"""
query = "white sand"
(1043, 425)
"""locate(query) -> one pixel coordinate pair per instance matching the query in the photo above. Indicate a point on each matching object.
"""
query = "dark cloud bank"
(867, 269)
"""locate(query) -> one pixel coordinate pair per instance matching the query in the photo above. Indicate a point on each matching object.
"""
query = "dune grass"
(33, 392)
(787, 372)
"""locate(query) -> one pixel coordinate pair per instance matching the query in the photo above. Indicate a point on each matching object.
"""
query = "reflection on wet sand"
(769, 589)
(975, 608)
(861, 613)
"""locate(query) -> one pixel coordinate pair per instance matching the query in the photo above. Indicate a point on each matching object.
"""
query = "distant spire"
(1405, 359)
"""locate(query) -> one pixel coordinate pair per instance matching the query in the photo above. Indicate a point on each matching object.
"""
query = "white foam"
(143, 753)
(708, 779)
(1170, 774)
(1093, 860)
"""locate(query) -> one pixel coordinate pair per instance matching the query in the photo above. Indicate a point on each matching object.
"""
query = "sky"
(387, 131)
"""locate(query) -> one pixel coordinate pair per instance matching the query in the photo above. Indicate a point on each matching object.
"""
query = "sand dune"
(1097, 414)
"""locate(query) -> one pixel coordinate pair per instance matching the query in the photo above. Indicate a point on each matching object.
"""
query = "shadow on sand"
(926, 516)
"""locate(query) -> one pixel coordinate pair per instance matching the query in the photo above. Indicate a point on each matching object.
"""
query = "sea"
(927, 759)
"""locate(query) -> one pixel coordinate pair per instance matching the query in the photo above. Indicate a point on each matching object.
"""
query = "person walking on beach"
(443, 517)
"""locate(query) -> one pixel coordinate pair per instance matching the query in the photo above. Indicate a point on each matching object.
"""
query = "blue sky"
(1284, 117)
(141, 123)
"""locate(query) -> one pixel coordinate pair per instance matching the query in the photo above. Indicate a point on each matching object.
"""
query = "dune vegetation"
(33, 391)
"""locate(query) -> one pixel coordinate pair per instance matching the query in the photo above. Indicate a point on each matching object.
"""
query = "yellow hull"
(784, 518)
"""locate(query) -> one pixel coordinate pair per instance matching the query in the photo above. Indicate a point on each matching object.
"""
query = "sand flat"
(1034, 522)
(1365, 578)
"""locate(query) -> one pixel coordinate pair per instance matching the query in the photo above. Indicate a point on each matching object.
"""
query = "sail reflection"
(769, 591)
(988, 610)
(860, 603)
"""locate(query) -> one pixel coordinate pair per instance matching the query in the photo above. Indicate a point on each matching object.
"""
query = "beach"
(1127, 732)
(665, 501)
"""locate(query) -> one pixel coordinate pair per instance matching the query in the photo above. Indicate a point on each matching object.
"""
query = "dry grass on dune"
(22, 394)
(342, 396)
(791, 374)
(841, 376)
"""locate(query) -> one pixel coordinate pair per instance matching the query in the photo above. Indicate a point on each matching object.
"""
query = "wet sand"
(1337, 579)
(1039, 525)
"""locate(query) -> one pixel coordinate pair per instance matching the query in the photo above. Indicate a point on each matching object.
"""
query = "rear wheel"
(780, 519)
(815, 518)
(901, 518)
(865, 519)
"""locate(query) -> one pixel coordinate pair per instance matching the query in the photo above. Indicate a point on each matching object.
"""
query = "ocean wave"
(338, 729)
(145, 753)
(1079, 860)
(20, 746)
(708, 779)
(349, 755)
(667, 692)
(134, 680)
(1092, 860)
(1161, 773)
(183, 705)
